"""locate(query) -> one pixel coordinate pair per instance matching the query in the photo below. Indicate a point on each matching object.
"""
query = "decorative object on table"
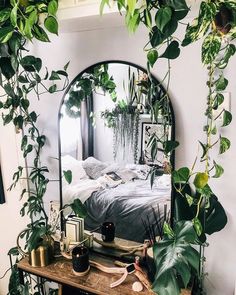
(154, 132)
(108, 231)
(80, 260)
(42, 255)
(75, 229)
(127, 250)
(54, 219)
(88, 236)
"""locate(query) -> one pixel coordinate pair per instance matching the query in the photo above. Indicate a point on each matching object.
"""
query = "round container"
(108, 231)
(80, 260)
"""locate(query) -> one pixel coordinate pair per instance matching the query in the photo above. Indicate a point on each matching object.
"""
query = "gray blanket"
(126, 205)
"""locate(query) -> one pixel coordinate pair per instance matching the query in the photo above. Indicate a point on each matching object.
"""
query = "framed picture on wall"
(147, 131)
(2, 195)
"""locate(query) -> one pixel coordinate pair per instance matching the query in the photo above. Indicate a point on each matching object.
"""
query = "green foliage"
(175, 255)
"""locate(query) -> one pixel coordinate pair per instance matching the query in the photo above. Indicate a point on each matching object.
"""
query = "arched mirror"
(116, 126)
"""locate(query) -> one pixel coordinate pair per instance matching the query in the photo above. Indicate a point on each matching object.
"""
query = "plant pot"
(41, 256)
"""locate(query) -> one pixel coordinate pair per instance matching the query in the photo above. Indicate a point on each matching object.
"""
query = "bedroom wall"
(188, 92)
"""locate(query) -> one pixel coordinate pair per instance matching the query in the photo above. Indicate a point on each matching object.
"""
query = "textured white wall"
(188, 92)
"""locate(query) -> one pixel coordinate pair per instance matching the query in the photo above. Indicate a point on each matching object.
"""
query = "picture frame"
(2, 194)
(147, 130)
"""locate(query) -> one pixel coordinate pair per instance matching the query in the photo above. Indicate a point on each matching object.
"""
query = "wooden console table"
(96, 282)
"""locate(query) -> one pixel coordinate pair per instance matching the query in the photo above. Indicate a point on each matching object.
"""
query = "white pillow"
(78, 172)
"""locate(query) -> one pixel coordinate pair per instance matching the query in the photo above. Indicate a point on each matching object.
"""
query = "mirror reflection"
(116, 127)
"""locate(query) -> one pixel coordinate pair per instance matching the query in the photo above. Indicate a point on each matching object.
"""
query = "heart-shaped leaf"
(172, 51)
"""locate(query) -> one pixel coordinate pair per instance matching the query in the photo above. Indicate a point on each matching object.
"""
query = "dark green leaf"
(66, 66)
(172, 51)
(221, 83)
(5, 34)
(224, 144)
(148, 18)
(25, 103)
(33, 116)
(39, 33)
(4, 14)
(177, 4)
(219, 170)
(51, 25)
(218, 100)
(227, 118)
(152, 56)
(54, 76)
(214, 217)
(68, 176)
(24, 142)
(78, 208)
(156, 37)
(28, 150)
(170, 145)
(52, 88)
(181, 176)
(163, 16)
(31, 64)
(6, 67)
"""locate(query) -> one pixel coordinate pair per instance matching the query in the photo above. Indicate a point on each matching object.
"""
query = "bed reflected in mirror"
(116, 126)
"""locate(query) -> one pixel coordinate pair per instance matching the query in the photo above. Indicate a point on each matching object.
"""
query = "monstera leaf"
(175, 256)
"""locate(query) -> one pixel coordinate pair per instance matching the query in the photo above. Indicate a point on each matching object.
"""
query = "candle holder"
(108, 231)
(80, 260)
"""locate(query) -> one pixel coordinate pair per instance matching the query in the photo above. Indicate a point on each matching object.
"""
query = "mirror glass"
(116, 124)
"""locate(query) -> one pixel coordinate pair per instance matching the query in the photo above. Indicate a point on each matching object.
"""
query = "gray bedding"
(126, 205)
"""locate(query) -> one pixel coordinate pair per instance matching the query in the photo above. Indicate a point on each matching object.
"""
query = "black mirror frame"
(172, 158)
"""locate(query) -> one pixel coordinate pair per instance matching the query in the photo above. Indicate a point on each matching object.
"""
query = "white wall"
(188, 92)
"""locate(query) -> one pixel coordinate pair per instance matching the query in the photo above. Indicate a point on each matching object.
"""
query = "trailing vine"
(216, 23)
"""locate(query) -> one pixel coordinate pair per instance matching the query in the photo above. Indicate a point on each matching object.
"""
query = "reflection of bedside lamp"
(108, 231)
(142, 160)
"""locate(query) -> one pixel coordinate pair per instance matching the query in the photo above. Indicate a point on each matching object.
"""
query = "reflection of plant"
(216, 23)
(93, 80)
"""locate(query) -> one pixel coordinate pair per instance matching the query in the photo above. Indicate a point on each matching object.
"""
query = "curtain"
(87, 127)
(2, 196)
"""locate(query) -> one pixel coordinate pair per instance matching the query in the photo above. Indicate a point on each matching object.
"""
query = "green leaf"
(39, 33)
(24, 142)
(6, 67)
(152, 56)
(66, 66)
(78, 208)
(224, 144)
(198, 226)
(5, 34)
(181, 176)
(200, 180)
(172, 51)
(189, 199)
(53, 7)
(221, 83)
(68, 176)
(218, 100)
(102, 5)
(170, 145)
(148, 18)
(31, 64)
(33, 116)
(177, 4)
(132, 21)
(156, 37)
(227, 118)
(163, 16)
(27, 150)
(214, 216)
(175, 255)
(219, 170)
(210, 48)
(131, 6)
(51, 25)
(4, 14)
(54, 76)
(52, 88)
(13, 15)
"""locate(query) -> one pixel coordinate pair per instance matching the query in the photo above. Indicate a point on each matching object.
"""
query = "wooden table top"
(95, 281)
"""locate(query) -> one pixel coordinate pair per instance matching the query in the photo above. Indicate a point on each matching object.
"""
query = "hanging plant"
(216, 23)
